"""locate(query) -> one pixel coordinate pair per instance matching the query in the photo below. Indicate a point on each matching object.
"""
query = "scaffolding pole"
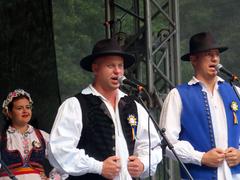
(149, 29)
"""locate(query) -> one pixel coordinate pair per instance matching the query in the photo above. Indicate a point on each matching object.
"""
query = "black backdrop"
(27, 56)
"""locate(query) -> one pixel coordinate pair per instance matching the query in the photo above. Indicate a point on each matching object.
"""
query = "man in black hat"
(201, 116)
(101, 133)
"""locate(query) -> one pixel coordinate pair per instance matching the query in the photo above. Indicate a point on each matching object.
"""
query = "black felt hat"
(201, 42)
(106, 47)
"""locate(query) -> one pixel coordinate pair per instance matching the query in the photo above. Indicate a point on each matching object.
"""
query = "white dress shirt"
(170, 120)
(66, 133)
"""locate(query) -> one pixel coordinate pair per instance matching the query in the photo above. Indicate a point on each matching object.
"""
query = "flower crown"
(14, 94)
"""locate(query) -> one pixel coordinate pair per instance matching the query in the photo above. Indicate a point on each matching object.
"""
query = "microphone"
(220, 67)
(123, 80)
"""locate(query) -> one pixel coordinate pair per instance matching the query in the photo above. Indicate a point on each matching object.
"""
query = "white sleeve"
(170, 120)
(141, 149)
(53, 174)
(65, 134)
(238, 91)
(46, 139)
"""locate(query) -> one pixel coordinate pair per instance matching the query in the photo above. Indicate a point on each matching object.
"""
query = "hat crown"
(106, 45)
(202, 41)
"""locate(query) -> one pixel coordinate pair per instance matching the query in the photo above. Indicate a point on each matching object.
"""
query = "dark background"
(27, 56)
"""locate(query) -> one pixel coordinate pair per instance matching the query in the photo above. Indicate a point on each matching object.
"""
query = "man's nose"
(117, 69)
(215, 57)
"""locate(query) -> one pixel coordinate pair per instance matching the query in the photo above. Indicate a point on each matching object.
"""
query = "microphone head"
(121, 79)
(218, 67)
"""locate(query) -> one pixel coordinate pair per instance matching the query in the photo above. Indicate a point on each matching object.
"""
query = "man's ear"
(94, 68)
(193, 59)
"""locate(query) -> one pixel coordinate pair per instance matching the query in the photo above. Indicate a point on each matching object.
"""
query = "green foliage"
(220, 17)
(78, 25)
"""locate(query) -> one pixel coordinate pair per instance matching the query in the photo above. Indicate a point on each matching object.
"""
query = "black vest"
(98, 134)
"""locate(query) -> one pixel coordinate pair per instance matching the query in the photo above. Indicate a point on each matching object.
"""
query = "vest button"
(113, 148)
(113, 136)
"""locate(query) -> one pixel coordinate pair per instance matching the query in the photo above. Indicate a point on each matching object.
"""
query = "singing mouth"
(25, 116)
(212, 67)
(114, 78)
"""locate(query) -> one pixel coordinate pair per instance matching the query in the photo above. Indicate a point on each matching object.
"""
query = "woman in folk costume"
(23, 147)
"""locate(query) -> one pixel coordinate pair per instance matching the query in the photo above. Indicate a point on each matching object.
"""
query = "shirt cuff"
(96, 167)
(145, 172)
(198, 158)
(145, 162)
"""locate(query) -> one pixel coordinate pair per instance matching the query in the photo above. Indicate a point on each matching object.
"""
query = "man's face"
(204, 63)
(107, 70)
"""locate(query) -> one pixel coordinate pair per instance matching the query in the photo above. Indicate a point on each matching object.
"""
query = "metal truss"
(152, 34)
(150, 30)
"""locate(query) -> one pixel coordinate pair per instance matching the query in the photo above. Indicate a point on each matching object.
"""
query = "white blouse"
(24, 143)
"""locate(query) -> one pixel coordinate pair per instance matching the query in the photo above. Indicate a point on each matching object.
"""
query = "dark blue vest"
(98, 134)
(13, 159)
(196, 125)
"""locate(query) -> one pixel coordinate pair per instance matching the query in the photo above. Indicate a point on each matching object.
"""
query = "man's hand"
(213, 158)
(232, 156)
(135, 166)
(111, 167)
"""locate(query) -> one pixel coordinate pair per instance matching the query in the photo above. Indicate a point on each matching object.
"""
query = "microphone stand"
(165, 142)
(231, 81)
(4, 166)
(164, 146)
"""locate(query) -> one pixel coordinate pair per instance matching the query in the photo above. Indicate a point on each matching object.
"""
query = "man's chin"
(213, 73)
(115, 86)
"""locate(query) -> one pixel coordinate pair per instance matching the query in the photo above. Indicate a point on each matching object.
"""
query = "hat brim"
(86, 62)
(186, 57)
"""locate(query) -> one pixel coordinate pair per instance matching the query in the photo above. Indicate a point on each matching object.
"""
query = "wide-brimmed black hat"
(201, 42)
(106, 47)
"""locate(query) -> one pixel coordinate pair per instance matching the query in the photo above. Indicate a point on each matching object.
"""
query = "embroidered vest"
(98, 134)
(13, 159)
(196, 125)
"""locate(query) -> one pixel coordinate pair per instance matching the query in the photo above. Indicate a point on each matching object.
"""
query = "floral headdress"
(11, 95)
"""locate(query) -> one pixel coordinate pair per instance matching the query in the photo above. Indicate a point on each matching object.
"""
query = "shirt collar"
(91, 90)
(194, 80)
(12, 130)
